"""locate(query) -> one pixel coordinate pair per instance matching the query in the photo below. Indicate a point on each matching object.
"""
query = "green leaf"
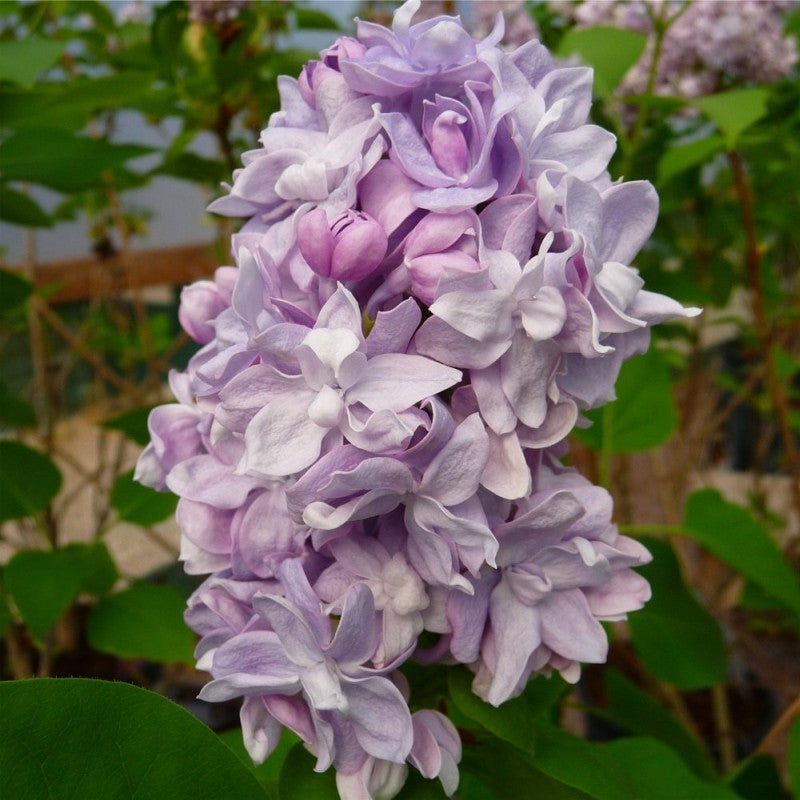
(502, 771)
(14, 289)
(611, 51)
(794, 756)
(657, 773)
(18, 209)
(681, 157)
(93, 563)
(23, 60)
(313, 19)
(5, 612)
(191, 167)
(735, 111)
(145, 621)
(757, 778)
(637, 711)
(29, 481)
(132, 423)
(76, 739)
(43, 583)
(298, 781)
(731, 534)
(515, 720)
(61, 160)
(643, 415)
(15, 411)
(141, 504)
(268, 773)
(676, 638)
(626, 769)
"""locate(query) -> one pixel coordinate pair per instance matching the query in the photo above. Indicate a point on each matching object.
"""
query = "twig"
(783, 722)
(722, 723)
(102, 369)
(753, 258)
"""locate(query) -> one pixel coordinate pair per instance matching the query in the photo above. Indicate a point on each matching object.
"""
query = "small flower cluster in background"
(711, 45)
(433, 285)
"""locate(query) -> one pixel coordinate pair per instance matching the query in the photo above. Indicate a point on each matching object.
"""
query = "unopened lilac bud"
(344, 47)
(202, 301)
(347, 249)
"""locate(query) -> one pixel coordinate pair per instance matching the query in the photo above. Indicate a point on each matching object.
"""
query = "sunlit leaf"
(76, 739)
(611, 51)
(23, 60)
(735, 111)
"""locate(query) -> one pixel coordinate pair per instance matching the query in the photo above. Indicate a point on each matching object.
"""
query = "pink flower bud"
(347, 249)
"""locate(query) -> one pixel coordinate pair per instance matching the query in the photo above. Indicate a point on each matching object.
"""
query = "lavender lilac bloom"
(433, 285)
(711, 44)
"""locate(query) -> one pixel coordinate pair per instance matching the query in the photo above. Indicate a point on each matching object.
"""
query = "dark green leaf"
(145, 621)
(757, 778)
(16, 412)
(313, 19)
(14, 289)
(18, 209)
(626, 769)
(44, 583)
(677, 639)
(141, 504)
(685, 156)
(23, 60)
(735, 111)
(298, 781)
(515, 720)
(29, 481)
(5, 613)
(794, 756)
(61, 160)
(132, 423)
(191, 167)
(731, 534)
(269, 772)
(76, 739)
(643, 415)
(502, 773)
(637, 711)
(611, 51)
(657, 773)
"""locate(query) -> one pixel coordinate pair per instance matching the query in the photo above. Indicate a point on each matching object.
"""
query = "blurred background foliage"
(701, 696)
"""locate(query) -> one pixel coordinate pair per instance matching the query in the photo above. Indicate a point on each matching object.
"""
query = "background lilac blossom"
(432, 286)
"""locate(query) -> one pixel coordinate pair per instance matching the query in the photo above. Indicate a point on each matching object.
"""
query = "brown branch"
(783, 722)
(753, 259)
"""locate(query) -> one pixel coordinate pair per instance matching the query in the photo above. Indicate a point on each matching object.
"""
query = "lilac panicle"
(433, 282)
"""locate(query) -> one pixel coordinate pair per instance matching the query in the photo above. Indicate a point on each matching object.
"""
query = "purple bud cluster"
(433, 284)
(711, 44)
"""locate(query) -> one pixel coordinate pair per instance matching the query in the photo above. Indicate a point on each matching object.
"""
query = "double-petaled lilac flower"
(433, 282)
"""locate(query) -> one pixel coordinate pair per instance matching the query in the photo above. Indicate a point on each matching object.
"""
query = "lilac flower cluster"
(710, 44)
(432, 285)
